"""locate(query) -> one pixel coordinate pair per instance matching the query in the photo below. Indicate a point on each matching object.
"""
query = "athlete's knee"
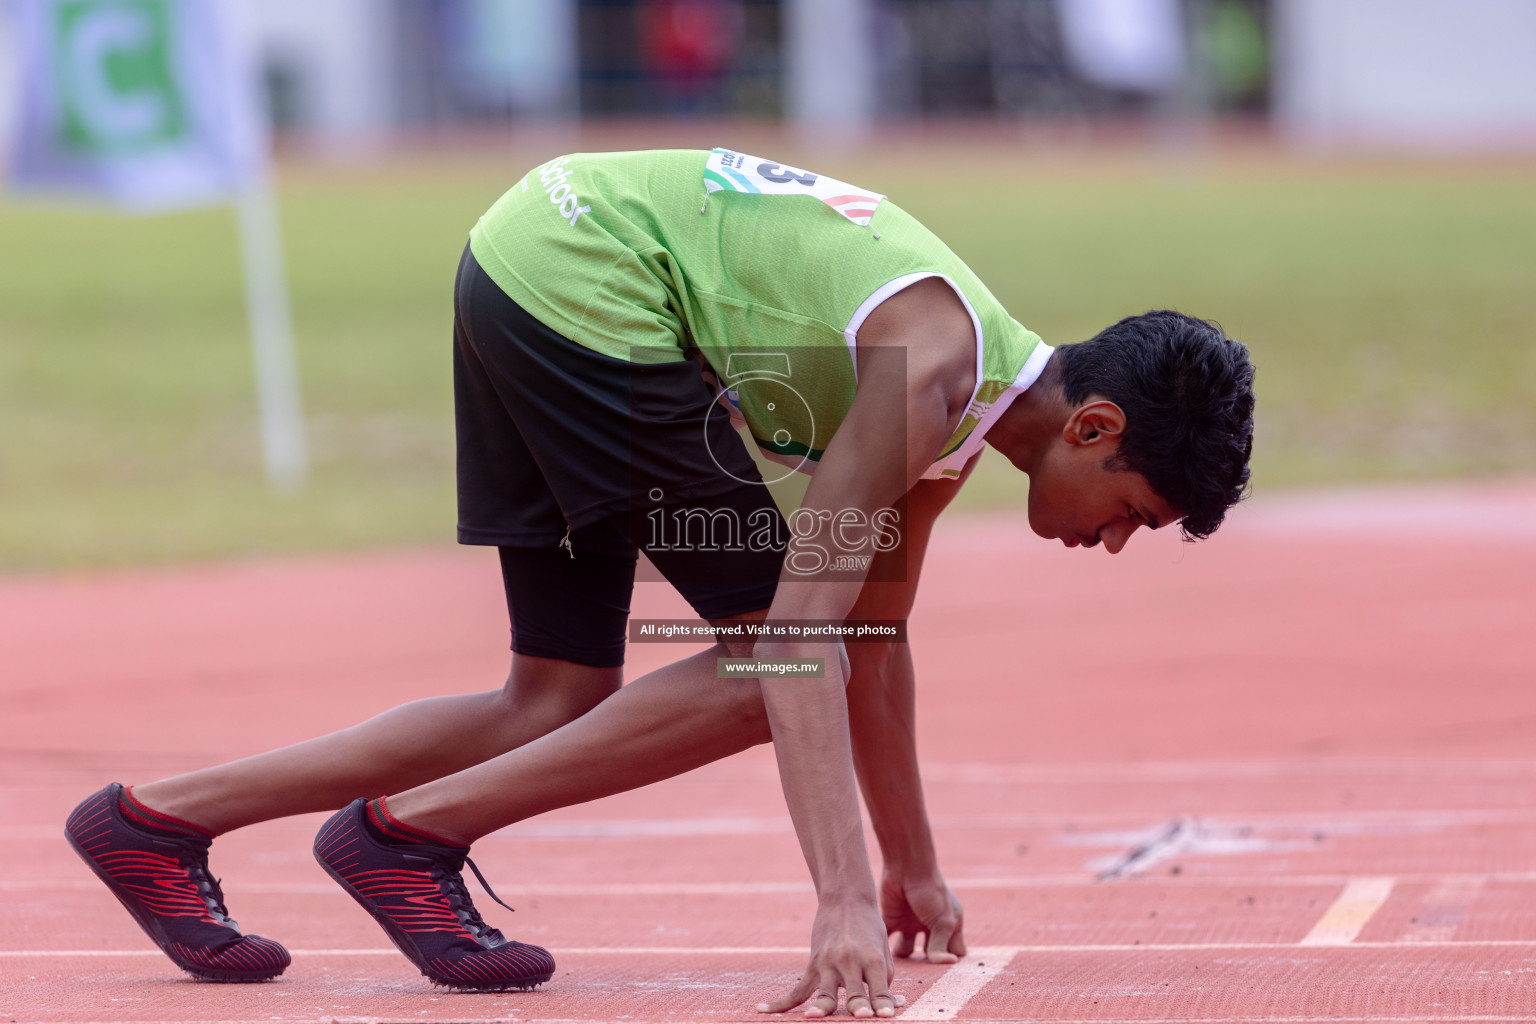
(733, 634)
(749, 714)
(737, 648)
(557, 690)
(744, 696)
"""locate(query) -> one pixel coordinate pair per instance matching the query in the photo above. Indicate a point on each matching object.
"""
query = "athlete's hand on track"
(923, 904)
(848, 952)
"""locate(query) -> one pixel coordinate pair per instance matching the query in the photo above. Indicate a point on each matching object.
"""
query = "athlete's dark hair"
(1187, 393)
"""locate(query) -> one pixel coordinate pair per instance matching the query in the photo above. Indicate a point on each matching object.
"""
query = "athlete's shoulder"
(639, 158)
(931, 326)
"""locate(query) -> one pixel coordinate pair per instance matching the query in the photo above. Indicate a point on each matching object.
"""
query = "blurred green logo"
(117, 85)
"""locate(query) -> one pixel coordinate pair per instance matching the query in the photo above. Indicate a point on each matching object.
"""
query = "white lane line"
(555, 889)
(1124, 947)
(665, 828)
(513, 1016)
(1357, 904)
(621, 888)
(685, 828)
(1265, 1019)
(391, 951)
(946, 997)
(1141, 773)
(785, 887)
(602, 828)
(682, 950)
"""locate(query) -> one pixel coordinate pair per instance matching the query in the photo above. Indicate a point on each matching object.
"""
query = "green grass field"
(1389, 308)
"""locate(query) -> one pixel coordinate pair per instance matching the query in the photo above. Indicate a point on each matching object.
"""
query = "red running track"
(1287, 775)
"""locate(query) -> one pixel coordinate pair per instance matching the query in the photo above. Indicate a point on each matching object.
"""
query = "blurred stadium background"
(1347, 185)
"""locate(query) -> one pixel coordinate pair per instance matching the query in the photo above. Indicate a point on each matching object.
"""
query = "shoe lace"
(451, 878)
(195, 860)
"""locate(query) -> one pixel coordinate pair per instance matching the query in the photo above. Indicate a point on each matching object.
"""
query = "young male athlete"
(614, 314)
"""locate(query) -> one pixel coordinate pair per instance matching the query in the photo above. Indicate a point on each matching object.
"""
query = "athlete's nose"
(1117, 534)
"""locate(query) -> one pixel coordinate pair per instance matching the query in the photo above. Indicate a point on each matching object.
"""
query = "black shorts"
(568, 456)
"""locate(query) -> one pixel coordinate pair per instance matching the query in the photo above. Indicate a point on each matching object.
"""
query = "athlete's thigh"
(723, 554)
(571, 607)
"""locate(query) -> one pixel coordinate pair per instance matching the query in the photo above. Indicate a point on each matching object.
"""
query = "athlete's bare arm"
(882, 721)
(916, 361)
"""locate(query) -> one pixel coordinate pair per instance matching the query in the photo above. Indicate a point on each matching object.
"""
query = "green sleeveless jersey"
(768, 271)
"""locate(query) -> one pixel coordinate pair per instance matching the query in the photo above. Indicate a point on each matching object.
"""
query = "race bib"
(728, 171)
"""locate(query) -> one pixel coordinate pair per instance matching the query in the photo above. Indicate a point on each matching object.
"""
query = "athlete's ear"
(1096, 422)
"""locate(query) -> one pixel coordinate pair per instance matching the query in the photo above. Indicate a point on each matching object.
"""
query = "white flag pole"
(830, 84)
(284, 450)
(283, 447)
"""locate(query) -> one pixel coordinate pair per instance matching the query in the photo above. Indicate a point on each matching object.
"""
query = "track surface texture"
(1285, 775)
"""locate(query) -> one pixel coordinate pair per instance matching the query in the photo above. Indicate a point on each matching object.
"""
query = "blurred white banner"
(147, 104)
(151, 105)
(1125, 44)
(1415, 73)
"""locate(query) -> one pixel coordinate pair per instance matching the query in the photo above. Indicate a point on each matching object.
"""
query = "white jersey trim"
(885, 291)
(950, 466)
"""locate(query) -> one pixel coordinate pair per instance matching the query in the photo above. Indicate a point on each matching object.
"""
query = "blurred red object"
(689, 39)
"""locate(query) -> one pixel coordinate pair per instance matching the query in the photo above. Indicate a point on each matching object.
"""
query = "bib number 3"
(782, 175)
(729, 171)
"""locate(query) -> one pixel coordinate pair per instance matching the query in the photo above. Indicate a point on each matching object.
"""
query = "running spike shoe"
(416, 892)
(162, 877)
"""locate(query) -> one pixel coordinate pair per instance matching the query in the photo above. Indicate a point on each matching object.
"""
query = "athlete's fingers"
(882, 1001)
(901, 1000)
(957, 939)
(822, 1005)
(824, 1002)
(937, 945)
(860, 1003)
(797, 995)
(869, 994)
(905, 941)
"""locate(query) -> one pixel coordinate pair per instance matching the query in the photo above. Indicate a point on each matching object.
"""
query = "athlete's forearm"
(882, 713)
(809, 720)
(866, 468)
